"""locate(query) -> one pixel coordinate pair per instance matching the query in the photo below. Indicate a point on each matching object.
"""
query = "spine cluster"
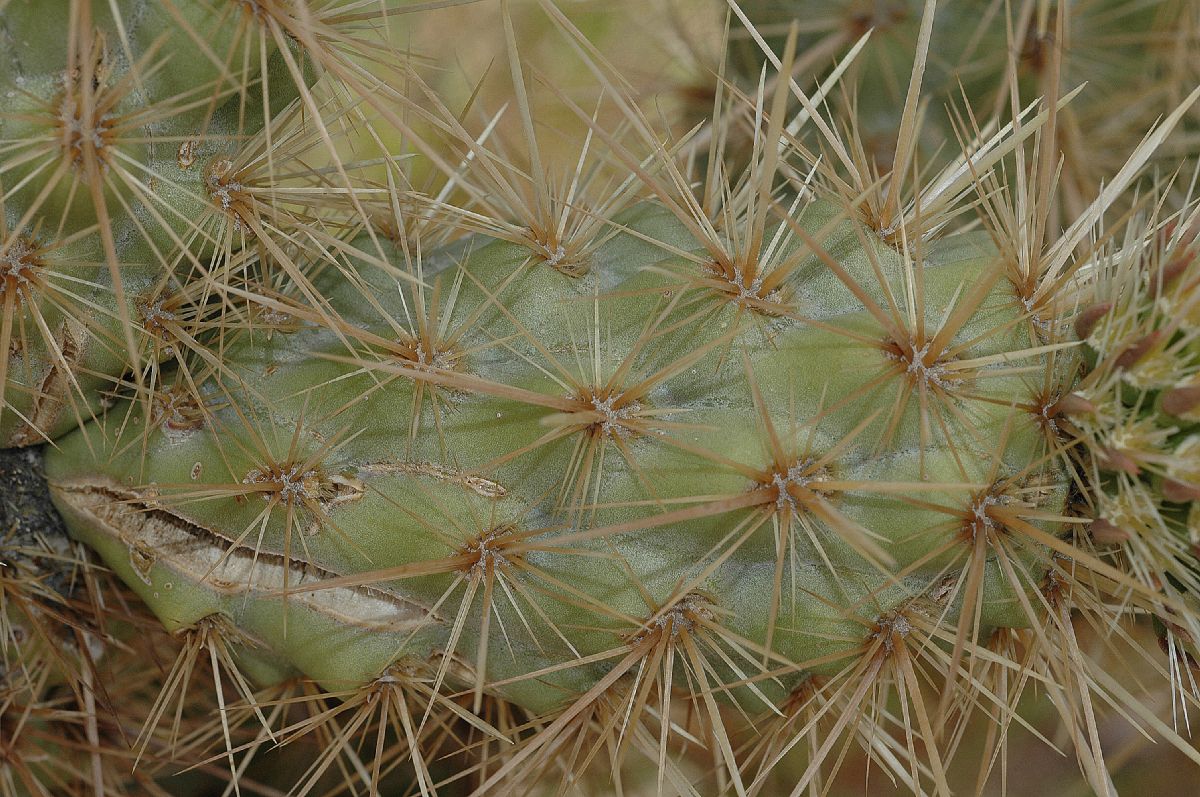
(449, 465)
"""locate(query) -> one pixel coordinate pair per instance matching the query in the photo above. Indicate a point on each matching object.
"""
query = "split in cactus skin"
(565, 472)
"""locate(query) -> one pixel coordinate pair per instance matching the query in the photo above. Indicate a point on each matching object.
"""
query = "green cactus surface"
(399, 452)
(124, 149)
(675, 449)
(1128, 58)
(1139, 406)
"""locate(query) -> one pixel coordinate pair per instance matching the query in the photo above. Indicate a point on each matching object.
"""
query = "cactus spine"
(540, 471)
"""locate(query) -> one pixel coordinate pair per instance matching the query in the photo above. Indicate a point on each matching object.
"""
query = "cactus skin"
(113, 147)
(1133, 55)
(843, 460)
(62, 662)
(560, 491)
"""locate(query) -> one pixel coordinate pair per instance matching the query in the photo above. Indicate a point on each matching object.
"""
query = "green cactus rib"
(1136, 55)
(802, 456)
(517, 470)
(126, 164)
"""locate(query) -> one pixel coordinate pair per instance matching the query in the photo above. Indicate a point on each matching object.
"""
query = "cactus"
(532, 472)
(1138, 408)
(126, 167)
(694, 493)
(1135, 56)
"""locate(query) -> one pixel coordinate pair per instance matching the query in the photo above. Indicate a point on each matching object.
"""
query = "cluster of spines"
(638, 693)
(1137, 411)
(1139, 57)
(146, 156)
(147, 153)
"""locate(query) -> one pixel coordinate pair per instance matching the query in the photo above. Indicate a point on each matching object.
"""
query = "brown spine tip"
(1114, 459)
(1183, 257)
(1181, 401)
(1180, 492)
(1171, 272)
(1107, 533)
(1165, 646)
(1086, 322)
(1137, 350)
(1071, 404)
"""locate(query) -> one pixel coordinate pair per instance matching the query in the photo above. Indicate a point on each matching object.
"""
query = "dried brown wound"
(157, 536)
